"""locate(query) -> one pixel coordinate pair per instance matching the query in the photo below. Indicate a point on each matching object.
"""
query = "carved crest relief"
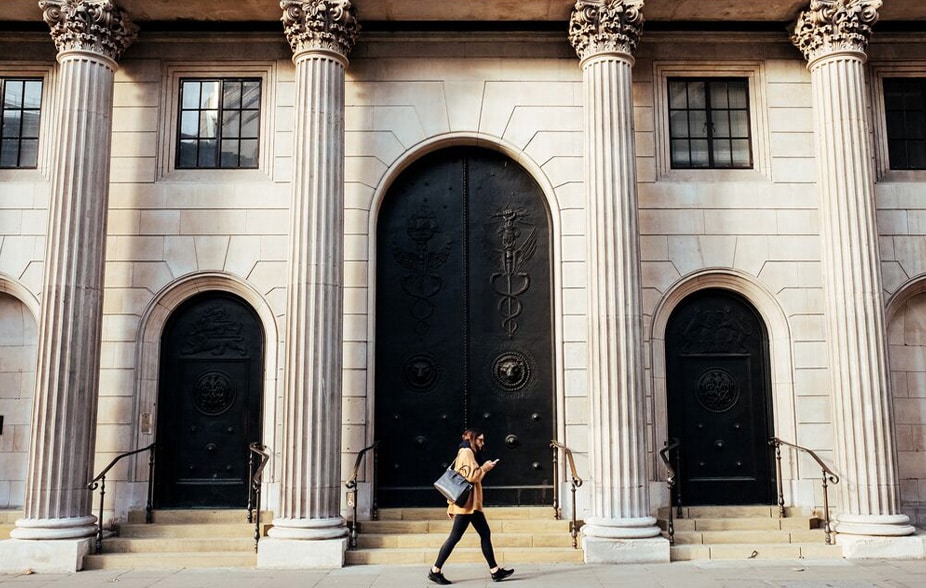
(215, 333)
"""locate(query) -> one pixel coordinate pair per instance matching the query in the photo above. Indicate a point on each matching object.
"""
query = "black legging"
(460, 524)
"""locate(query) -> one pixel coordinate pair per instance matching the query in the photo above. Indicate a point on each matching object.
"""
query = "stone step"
(470, 539)
(159, 560)
(493, 512)
(504, 555)
(754, 537)
(196, 515)
(442, 526)
(732, 512)
(178, 545)
(8, 517)
(186, 530)
(743, 524)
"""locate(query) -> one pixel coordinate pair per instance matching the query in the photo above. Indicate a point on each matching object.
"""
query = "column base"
(874, 525)
(59, 556)
(625, 551)
(294, 554)
(861, 547)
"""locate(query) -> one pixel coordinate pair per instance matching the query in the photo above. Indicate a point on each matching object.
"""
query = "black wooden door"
(718, 390)
(463, 327)
(209, 403)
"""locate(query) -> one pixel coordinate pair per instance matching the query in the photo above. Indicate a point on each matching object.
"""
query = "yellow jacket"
(468, 467)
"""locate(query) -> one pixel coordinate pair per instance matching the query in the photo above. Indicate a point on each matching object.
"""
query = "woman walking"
(467, 463)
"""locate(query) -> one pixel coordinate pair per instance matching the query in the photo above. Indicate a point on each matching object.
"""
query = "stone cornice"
(832, 26)
(606, 26)
(320, 24)
(97, 26)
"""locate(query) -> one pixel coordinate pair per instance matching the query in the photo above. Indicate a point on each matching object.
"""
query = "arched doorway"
(718, 389)
(464, 333)
(209, 402)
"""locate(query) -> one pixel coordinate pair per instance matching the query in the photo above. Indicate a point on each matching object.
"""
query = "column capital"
(329, 25)
(606, 26)
(98, 26)
(834, 26)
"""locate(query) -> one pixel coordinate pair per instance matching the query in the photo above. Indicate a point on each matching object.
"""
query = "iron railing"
(100, 482)
(575, 482)
(829, 477)
(353, 524)
(671, 479)
(255, 479)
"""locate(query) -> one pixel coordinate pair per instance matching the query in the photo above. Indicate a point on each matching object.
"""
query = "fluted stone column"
(833, 35)
(605, 35)
(90, 37)
(308, 530)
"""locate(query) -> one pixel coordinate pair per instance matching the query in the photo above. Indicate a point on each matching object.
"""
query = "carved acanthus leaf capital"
(830, 26)
(320, 24)
(599, 26)
(98, 26)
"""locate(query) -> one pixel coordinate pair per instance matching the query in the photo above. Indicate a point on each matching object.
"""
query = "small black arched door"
(464, 332)
(209, 403)
(719, 399)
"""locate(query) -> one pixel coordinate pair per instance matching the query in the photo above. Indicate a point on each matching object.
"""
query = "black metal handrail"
(100, 482)
(354, 525)
(575, 482)
(829, 477)
(255, 476)
(671, 479)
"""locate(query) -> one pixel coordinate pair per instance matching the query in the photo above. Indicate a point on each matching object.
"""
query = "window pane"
(232, 95)
(29, 153)
(230, 124)
(186, 155)
(13, 96)
(190, 94)
(680, 156)
(32, 97)
(207, 153)
(30, 122)
(250, 125)
(248, 153)
(722, 157)
(738, 95)
(741, 156)
(208, 123)
(209, 99)
(678, 122)
(721, 124)
(916, 155)
(739, 123)
(696, 95)
(905, 117)
(719, 95)
(699, 154)
(678, 97)
(9, 151)
(251, 95)
(916, 124)
(12, 123)
(189, 124)
(698, 126)
(230, 153)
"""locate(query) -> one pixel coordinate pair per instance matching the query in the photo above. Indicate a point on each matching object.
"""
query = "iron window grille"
(709, 123)
(19, 125)
(905, 114)
(219, 123)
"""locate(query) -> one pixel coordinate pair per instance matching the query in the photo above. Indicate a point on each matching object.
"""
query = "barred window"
(905, 113)
(219, 123)
(19, 126)
(709, 123)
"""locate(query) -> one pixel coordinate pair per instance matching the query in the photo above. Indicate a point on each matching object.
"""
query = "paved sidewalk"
(713, 574)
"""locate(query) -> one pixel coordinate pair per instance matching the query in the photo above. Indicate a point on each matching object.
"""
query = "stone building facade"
(609, 223)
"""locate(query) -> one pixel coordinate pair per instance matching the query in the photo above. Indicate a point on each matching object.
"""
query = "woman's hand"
(487, 466)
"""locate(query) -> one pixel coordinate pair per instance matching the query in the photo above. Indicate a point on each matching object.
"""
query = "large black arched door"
(463, 327)
(719, 399)
(209, 403)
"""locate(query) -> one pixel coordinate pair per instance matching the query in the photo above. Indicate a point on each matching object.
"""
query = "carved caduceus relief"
(422, 282)
(513, 281)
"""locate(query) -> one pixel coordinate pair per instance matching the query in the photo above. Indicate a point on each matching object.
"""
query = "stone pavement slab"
(713, 574)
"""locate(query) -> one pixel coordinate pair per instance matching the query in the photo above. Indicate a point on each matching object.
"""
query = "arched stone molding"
(780, 356)
(414, 153)
(11, 286)
(148, 356)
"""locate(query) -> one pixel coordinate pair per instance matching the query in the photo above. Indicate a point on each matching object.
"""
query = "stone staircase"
(181, 539)
(8, 522)
(414, 535)
(747, 532)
